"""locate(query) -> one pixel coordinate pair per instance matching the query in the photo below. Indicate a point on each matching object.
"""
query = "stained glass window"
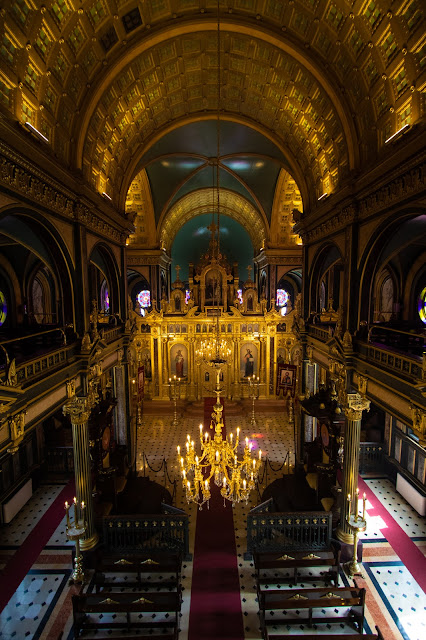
(282, 297)
(422, 306)
(144, 298)
(240, 295)
(3, 308)
(187, 295)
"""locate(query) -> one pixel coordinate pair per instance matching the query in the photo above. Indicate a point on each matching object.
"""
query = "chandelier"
(218, 461)
(211, 350)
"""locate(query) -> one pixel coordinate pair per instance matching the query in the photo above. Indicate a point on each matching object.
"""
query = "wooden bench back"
(129, 602)
(324, 597)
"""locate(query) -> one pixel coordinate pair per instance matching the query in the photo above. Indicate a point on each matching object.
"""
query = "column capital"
(77, 409)
(356, 404)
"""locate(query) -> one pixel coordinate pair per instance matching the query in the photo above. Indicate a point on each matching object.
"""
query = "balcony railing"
(407, 366)
(321, 333)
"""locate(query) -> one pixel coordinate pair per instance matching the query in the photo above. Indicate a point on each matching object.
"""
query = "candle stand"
(75, 532)
(253, 389)
(174, 389)
(357, 525)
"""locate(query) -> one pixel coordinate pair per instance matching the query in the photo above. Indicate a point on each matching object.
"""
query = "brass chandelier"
(218, 461)
(208, 349)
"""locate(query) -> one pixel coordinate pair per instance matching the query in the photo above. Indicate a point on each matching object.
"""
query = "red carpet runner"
(215, 597)
(404, 547)
(19, 565)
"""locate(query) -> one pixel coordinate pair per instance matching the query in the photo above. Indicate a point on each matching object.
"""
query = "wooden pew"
(294, 561)
(273, 635)
(124, 605)
(273, 600)
(333, 636)
(143, 568)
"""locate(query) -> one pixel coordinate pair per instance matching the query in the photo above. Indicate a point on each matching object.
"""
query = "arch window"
(144, 298)
(3, 308)
(422, 306)
(104, 297)
(386, 302)
(37, 295)
(240, 295)
(282, 298)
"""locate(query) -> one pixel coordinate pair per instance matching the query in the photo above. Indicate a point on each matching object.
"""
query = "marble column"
(78, 409)
(356, 404)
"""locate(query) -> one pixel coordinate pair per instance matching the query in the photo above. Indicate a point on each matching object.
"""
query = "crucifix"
(177, 267)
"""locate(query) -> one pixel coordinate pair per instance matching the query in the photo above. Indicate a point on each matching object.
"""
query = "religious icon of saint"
(249, 364)
(179, 360)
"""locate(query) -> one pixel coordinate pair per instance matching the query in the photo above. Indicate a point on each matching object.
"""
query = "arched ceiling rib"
(106, 77)
(198, 202)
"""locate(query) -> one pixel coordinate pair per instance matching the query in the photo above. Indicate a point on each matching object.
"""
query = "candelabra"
(75, 531)
(218, 460)
(357, 525)
(174, 388)
(253, 389)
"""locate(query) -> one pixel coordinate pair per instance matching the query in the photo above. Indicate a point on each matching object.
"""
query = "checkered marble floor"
(41, 606)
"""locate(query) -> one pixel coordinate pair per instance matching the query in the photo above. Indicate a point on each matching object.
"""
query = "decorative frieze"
(339, 221)
(18, 174)
(408, 184)
(143, 260)
(399, 188)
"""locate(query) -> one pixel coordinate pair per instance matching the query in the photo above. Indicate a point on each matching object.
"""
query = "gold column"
(165, 373)
(79, 410)
(237, 385)
(356, 405)
(191, 369)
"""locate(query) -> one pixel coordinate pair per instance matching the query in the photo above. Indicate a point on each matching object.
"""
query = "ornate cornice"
(409, 181)
(402, 186)
(24, 178)
(344, 217)
(284, 260)
(143, 260)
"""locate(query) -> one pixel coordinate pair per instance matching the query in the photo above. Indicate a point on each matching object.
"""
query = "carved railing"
(167, 531)
(41, 365)
(110, 335)
(407, 342)
(289, 531)
(319, 333)
(408, 366)
(371, 457)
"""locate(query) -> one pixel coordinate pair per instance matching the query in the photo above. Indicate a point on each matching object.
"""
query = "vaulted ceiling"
(321, 83)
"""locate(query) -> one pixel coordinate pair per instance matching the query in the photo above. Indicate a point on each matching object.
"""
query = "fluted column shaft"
(356, 405)
(79, 412)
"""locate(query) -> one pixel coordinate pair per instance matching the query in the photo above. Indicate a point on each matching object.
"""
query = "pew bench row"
(147, 612)
(294, 562)
(311, 606)
(148, 571)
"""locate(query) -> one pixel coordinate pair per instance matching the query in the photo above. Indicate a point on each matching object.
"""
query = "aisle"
(23, 559)
(215, 612)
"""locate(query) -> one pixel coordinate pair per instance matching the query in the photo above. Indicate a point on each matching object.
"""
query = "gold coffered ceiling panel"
(330, 81)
